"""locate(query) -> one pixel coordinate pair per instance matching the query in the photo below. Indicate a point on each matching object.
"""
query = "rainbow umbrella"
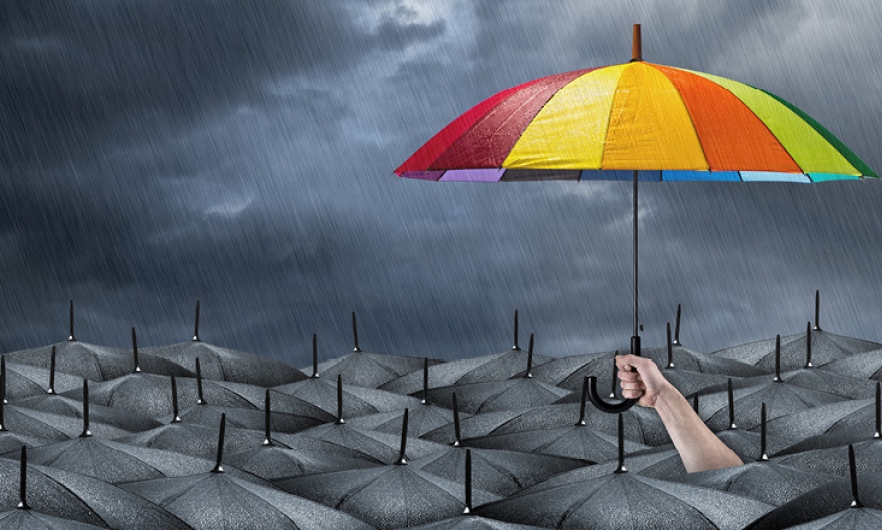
(673, 124)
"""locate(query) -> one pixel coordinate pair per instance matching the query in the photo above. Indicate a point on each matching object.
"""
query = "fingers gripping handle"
(612, 408)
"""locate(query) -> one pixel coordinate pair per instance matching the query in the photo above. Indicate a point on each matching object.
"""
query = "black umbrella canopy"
(576, 440)
(290, 456)
(378, 445)
(18, 519)
(80, 498)
(72, 407)
(219, 500)
(369, 370)
(48, 426)
(625, 500)
(867, 365)
(357, 400)
(494, 396)
(675, 356)
(23, 381)
(192, 439)
(830, 460)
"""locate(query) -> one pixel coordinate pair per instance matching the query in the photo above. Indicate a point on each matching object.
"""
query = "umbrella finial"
(817, 310)
(135, 351)
(670, 364)
(529, 373)
(402, 461)
(425, 399)
(267, 420)
(196, 327)
(356, 349)
(695, 402)
(808, 345)
(468, 482)
(174, 387)
(3, 403)
(621, 467)
(731, 406)
(218, 468)
(200, 399)
(86, 432)
(852, 471)
(878, 433)
(677, 328)
(581, 421)
(636, 45)
(777, 378)
(51, 389)
(3, 376)
(315, 372)
(70, 337)
(763, 455)
(340, 420)
(615, 377)
(516, 347)
(23, 481)
(457, 434)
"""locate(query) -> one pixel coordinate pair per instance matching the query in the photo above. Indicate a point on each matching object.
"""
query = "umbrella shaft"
(636, 330)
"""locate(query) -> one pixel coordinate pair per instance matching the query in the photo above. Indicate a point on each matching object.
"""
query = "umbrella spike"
(3, 403)
(677, 328)
(457, 434)
(51, 389)
(852, 471)
(402, 460)
(340, 420)
(3, 376)
(695, 402)
(670, 364)
(86, 432)
(763, 455)
(200, 399)
(425, 399)
(356, 349)
(777, 378)
(174, 389)
(23, 481)
(621, 467)
(878, 433)
(267, 421)
(581, 421)
(529, 372)
(135, 351)
(615, 376)
(218, 466)
(817, 310)
(731, 397)
(315, 372)
(70, 337)
(808, 345)
(196, 326)
(516, 347)
(468, 482)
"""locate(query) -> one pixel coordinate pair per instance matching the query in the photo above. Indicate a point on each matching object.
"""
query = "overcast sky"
(241, 153)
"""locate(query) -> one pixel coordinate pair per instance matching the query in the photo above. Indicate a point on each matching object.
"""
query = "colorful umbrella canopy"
(679, 124)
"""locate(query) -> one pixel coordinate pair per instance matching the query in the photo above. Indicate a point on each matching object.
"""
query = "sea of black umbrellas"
(194, 435)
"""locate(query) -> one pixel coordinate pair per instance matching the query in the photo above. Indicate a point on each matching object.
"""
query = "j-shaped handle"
(612, 408)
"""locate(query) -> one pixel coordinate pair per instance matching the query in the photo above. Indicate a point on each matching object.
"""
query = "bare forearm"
(699, 448)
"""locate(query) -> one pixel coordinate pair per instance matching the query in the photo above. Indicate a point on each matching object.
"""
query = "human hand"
(646, 384)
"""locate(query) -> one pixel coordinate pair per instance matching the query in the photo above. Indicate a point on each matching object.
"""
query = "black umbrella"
(623, 499)
(867, 365)
(576, 440)
(494, 367)
(368, 370)
(781, 397)
(389, 496)
(80, 498)
(216, 499)
(842, 504)
(23, 381)
(468, 520)
(224, 364)
(826, 348)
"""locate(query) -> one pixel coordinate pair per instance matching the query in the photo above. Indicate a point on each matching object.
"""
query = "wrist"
(668, 398)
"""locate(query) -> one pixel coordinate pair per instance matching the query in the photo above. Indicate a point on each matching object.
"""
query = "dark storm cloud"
(168, 151)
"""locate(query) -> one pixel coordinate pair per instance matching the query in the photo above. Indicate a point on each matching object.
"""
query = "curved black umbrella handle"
(597, 401)
(612, 408)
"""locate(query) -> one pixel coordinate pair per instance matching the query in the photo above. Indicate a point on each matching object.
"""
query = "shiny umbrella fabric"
(218, 500)
(225, 364)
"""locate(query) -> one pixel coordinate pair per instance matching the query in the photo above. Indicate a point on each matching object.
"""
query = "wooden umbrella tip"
(636, 46)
